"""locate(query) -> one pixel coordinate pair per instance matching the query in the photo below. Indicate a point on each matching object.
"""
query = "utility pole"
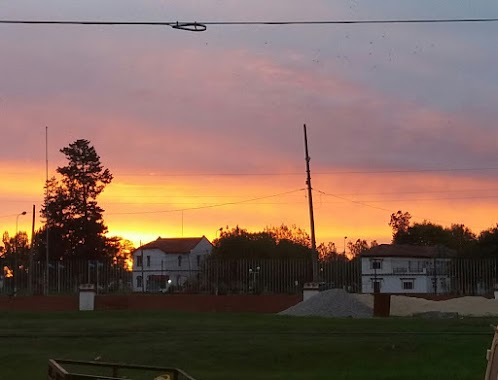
(310, 201)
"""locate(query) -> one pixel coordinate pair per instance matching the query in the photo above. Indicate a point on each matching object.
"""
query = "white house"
(403, 269)
(164, 262)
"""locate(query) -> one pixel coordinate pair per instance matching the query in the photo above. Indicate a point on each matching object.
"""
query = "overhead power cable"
(362, 203)
(282, 174)
(195, 26)
(208, 206)
(8, 216)
(351, 200)
(333, 172)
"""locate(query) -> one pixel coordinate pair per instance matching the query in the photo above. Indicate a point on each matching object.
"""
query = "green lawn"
(230, 346)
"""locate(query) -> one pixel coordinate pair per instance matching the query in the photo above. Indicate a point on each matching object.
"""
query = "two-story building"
(403, 269)
(164, 262)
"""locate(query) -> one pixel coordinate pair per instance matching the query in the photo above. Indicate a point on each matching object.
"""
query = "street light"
(344, 252)
(16, 242)
(17, 224)
(253, 273)
(218, 230)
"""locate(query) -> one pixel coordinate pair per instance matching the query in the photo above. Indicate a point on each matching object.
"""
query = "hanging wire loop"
(189, 26)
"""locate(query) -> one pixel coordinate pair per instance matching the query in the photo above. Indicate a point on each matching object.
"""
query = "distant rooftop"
(173, 245)
(405, 250)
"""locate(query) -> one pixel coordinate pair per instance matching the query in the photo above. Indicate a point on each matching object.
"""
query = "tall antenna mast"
(310, 201)
(47, 271)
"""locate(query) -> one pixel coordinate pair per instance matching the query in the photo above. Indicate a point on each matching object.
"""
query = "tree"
(122, 252)
(246, 259)
(292, 233)
(16, 246)
(328, 252)
(400, 222)
(357, 248)
(425, 233)
(488, 241)
(462, 240)
(458, 237)
(7, 244)
(72, 215)
(273, 242)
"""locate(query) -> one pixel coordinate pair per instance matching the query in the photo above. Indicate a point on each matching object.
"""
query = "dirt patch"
(465, 306)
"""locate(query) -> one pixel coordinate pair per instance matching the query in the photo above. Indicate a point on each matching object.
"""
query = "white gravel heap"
(331, 303)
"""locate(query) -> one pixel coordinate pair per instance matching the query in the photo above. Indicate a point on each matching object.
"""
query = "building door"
(376, 286)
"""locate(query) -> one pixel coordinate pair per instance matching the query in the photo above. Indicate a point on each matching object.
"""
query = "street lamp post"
(344, 252)
(17, 225)
(16, 243)
(218, 231)
(253, 273)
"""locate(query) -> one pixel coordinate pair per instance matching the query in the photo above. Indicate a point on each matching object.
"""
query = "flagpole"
(47, 272)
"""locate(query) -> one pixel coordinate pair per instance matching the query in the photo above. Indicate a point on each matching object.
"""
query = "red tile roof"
(173, 245)
(405, 250)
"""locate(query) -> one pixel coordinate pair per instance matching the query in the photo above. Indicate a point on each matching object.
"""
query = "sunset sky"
(400, 117)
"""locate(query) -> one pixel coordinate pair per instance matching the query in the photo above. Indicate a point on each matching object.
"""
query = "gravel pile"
(340, 304)
(331, 303)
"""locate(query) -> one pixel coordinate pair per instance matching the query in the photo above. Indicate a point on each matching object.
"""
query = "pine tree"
(75, 221)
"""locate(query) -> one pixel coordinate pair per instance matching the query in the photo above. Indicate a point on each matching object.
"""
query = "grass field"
(228, 346)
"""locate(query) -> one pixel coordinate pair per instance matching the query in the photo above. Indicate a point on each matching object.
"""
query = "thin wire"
(375, 207)
(107, 198)
(208, 206)
(431, 199)
(192, 26)
(338, 172)
(421, 192)
(351, 200)
(451, 191)
(332, 22)
(8, 216)
(276, 174)
(322, 202)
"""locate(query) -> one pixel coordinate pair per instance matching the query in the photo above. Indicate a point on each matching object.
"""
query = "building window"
(408, 284)
(198, 260)
(140, 260)
(180, 261)
(148, 261)
(375, 264)
(140, 282)
(415, 266)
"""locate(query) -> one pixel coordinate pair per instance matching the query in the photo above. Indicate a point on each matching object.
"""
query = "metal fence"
(64, 277)
(275, 275)
(222, 276)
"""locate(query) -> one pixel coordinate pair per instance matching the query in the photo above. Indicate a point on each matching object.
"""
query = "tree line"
(293, 242)
(280, 242)
(457, 237)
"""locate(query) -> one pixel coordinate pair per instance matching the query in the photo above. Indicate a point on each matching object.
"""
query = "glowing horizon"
(143, 208)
